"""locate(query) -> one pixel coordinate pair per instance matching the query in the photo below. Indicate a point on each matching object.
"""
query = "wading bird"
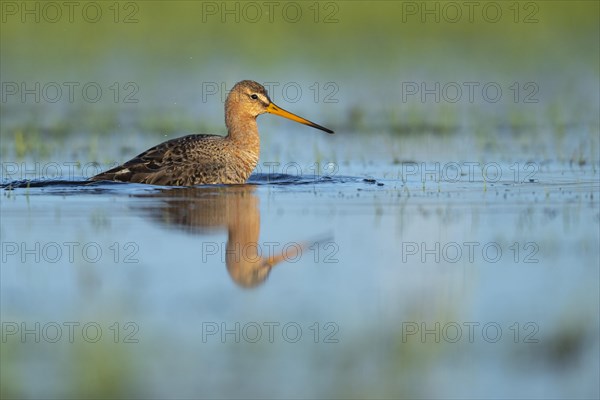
(208, 159)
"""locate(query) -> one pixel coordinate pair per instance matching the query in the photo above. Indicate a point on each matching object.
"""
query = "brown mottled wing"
(181, 162)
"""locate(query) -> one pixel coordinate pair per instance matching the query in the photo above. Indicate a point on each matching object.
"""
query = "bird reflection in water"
(202, 210)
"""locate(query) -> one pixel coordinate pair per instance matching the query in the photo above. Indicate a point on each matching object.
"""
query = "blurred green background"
(172, 50)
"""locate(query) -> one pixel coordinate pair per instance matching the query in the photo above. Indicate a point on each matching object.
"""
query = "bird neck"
(243, 131)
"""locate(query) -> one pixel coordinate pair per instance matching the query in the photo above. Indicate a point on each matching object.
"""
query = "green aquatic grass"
(87, 370)
(21, 147)
(102, 371)
(32, 143)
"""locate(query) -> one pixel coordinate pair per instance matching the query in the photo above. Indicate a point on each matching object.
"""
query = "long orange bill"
(273, 109)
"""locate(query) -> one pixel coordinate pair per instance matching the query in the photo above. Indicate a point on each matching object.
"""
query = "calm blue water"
(396, 281)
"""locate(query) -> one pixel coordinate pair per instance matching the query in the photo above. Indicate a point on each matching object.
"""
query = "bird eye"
(254, 96)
